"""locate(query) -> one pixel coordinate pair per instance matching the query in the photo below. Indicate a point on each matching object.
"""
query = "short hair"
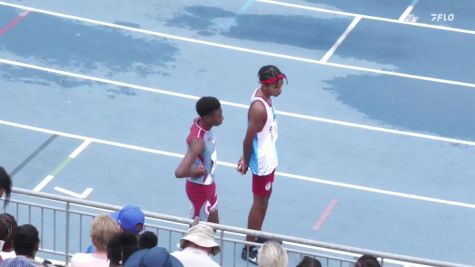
(148, 240)
(207, 105)
(103, 227)
(5, 184)
(308, 261)
(367, 261)
(120, 247)
(8, 227)
(26, 240)
(272, 254)
(269, 71)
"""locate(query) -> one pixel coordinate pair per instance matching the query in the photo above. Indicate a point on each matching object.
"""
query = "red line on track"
(14, 22)
(325, 215)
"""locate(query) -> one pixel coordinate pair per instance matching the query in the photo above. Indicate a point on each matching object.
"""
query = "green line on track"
(61, 166)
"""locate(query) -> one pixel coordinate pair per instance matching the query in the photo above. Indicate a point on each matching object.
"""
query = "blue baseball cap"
(154, 257)
(128, 217)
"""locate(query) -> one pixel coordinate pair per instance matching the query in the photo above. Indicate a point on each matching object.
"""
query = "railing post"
(66, 260)
(221, 244)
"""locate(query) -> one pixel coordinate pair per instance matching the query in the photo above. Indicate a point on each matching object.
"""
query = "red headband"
(274, 79)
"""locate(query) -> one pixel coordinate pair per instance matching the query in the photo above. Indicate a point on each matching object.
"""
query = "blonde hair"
(103, 227)
(272, 254)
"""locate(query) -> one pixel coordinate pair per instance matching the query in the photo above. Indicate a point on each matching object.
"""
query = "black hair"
(148, 240)
(120, 247)
(367, 261)
(5, 184)
(8, 227)
(207, 105)
(308, 261)
(25, 240)
(269, 71)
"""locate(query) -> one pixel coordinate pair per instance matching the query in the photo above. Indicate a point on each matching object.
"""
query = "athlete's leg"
(213, 217)
(212, 204)
(257, 214)
(261, 189)
(197, 197)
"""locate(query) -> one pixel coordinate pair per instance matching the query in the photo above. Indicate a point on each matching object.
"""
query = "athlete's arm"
(185, 168)
(257, 117)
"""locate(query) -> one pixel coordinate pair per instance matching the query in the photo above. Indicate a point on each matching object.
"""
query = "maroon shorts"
(203, 198)
(262, 185)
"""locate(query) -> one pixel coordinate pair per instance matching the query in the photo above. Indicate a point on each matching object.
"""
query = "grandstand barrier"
(63, 224)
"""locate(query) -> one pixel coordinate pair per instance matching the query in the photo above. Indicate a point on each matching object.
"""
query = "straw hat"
(203, 236)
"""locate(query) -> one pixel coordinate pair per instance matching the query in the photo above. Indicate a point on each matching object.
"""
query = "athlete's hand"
(242, 166)
(198, 171)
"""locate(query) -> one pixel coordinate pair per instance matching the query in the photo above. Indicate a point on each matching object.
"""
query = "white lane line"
(377, 190)
(237, 105)
(80, 148)
(82, 195)
(62, 165)
(246, 50)
(340, 40)
(162, 35)
(233, 165)
(408, 10)
(399, 74)
(335, 12)
(92, 140)
(43, 183)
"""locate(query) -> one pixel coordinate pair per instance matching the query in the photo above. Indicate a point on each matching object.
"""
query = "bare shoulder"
(257, 115)
(257, 107)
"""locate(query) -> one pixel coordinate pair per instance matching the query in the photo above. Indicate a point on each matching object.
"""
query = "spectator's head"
(103, 227)
(209, 109)
(148, 240)
(201, 236)
(308, 261)
(8, 227)
(272, 254)
(367, 261)
(120, 247)
(5, 185)
(130, 218)
(26, 240)
(154, 257)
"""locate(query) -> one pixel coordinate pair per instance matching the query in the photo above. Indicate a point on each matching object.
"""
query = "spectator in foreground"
(272, 254)
(130, 219)
(198, 246)
(120, 247)
(154, 257)
(8, 227)
(148, 240)
(103, 227)
(308, 261)
(5, 186)
(25, 243)
(367, 261)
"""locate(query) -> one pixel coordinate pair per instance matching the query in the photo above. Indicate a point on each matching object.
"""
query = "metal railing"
(63, 224)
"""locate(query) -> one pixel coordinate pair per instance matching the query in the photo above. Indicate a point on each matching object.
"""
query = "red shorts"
(262, 185)
(203, 198)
